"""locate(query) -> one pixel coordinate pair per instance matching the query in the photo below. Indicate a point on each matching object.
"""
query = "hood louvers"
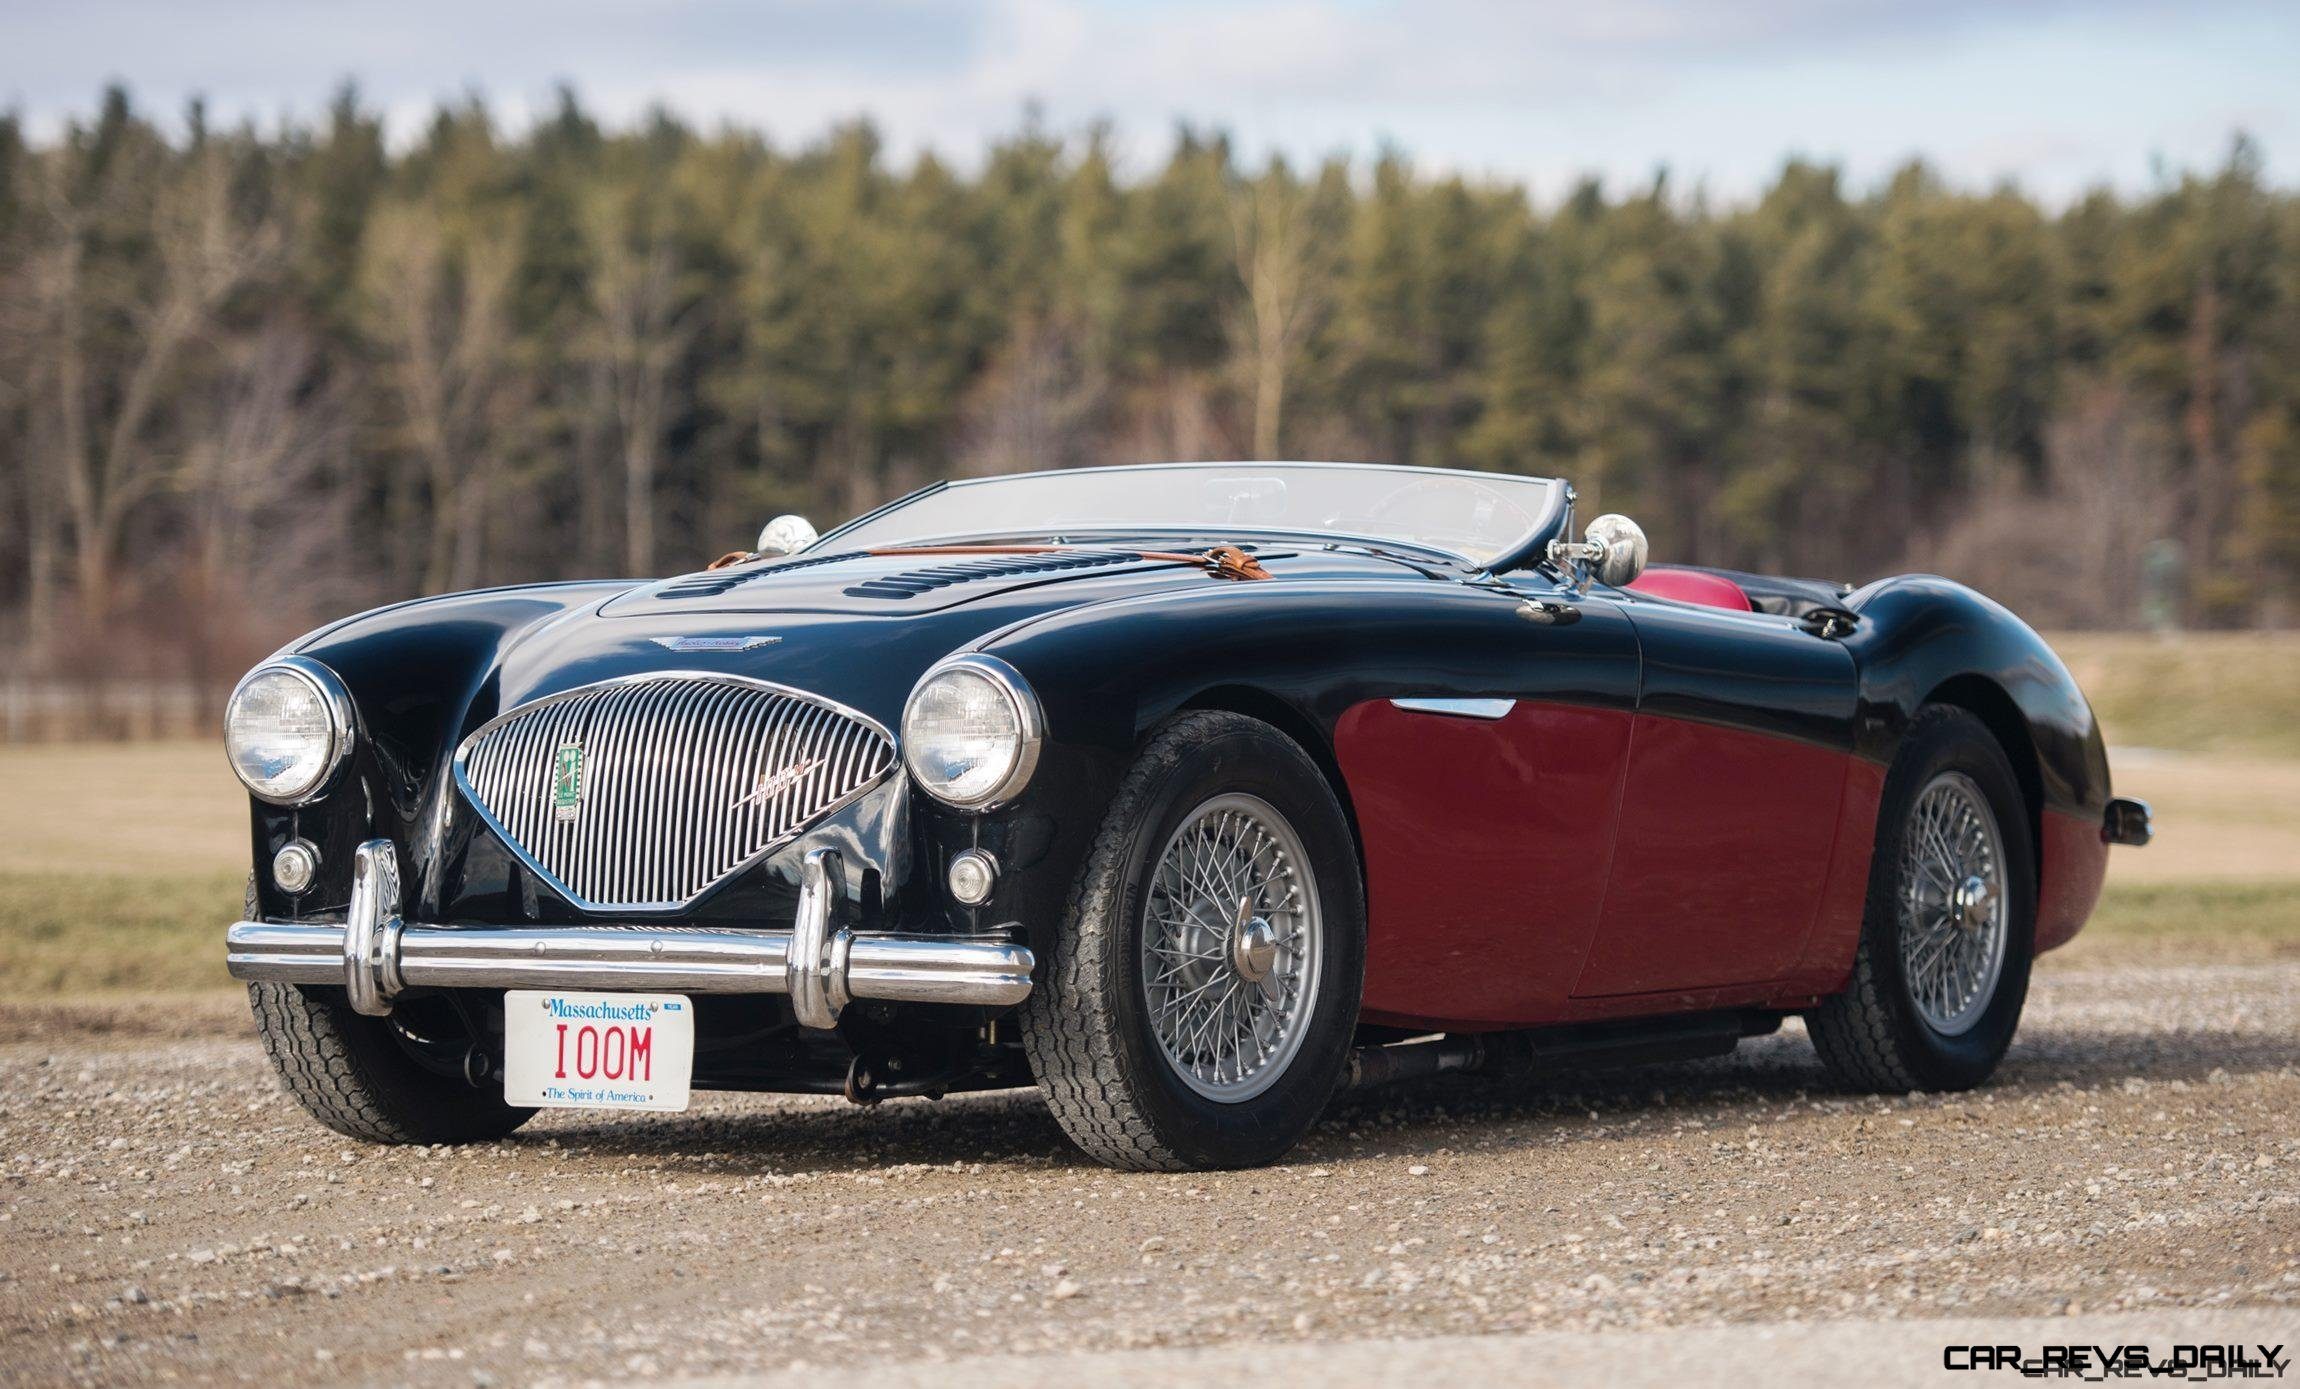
(916, 581)
(708, 584)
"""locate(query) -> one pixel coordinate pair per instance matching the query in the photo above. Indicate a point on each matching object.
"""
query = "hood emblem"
(773, 784)
(684, 644)
(567, 782)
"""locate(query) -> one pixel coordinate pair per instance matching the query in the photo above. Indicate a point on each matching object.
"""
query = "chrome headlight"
(288, 728)
(971, 731)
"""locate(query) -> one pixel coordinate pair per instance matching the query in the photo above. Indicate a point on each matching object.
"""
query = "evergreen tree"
(496, 355)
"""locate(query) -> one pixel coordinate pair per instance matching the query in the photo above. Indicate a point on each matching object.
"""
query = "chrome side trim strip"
(1459, 708)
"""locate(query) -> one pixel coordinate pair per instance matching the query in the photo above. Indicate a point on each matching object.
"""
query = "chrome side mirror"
(785, 535)
(1613, 553)
(1621, 543)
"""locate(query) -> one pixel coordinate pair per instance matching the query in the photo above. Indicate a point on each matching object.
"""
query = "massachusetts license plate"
(597, 1051)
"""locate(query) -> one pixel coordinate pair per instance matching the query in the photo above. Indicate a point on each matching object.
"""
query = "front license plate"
(597, 1051)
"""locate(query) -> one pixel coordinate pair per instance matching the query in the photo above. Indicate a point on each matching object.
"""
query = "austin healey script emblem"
(751, 643)
(567, 782)
(774, 784)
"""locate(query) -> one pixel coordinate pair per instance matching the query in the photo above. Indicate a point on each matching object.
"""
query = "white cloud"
(2049, 91)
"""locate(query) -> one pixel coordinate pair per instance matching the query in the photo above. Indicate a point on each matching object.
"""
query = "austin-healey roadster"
(1190, 794)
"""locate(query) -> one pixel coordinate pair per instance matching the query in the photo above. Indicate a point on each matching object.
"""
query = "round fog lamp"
(972, 875)
(294, 866)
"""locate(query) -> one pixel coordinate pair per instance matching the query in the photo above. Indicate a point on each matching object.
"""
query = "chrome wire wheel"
(1231, 946)
(1953, 904)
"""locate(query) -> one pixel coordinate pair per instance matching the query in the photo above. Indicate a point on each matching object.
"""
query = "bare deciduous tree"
(100, 438)
(31, 507)
(441, 310)
(1036, 405)
(258, 448)
(1276, 248)
(642, 333)
(2106, 494)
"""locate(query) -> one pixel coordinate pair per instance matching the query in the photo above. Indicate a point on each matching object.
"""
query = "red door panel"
(1827, 958)
(1726, 839)
(1487, 844)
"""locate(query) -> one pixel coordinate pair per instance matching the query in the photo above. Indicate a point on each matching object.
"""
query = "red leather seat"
(1693, 586)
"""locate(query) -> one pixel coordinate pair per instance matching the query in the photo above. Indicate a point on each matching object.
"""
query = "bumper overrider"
(2127, 821)
(823, 966)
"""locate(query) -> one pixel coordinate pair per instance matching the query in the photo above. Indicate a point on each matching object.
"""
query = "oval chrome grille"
(641, 794)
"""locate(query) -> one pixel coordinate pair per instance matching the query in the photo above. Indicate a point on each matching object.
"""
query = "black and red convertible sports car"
(1189, 793)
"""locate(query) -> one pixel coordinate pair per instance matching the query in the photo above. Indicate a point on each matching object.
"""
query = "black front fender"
(414, 670)
(1299, 654)
(1920, 635)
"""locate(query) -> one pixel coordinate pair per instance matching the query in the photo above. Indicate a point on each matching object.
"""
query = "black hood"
(883, 584)
(856, 628)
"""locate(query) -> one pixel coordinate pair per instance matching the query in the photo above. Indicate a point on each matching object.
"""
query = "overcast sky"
(2059, 96)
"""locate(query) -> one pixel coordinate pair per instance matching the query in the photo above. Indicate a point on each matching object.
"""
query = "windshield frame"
(1548, 524)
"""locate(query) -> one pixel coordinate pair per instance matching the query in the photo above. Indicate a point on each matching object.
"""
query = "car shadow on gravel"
(1773, 1069)
(1013, 1130)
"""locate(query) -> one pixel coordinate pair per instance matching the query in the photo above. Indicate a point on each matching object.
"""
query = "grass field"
(120, 862)
(2236, 693)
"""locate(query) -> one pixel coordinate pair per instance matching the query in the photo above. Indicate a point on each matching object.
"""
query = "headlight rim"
(1029, 719)
(341, 725)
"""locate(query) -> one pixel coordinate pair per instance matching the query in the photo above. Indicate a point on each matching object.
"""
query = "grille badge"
(567, 783)
(774, 784)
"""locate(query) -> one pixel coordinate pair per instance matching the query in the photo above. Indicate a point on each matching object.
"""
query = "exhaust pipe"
(1373, 1066)
(1629, 1042)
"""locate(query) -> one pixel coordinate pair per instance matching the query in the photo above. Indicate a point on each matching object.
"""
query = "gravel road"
(164, 1213)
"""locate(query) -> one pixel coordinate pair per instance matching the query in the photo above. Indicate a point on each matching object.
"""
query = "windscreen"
(1474, 515)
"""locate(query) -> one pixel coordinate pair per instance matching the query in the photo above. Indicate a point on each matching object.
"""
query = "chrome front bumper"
(375, 954)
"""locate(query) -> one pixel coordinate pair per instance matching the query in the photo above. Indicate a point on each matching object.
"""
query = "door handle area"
(1548, 612)
(1830, 623)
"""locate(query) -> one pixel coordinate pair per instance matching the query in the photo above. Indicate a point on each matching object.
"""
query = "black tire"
(1086, 1027)
(1873, 1036)
(352, 1074)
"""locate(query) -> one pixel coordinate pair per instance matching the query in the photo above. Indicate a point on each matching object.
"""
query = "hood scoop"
(910, 583)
